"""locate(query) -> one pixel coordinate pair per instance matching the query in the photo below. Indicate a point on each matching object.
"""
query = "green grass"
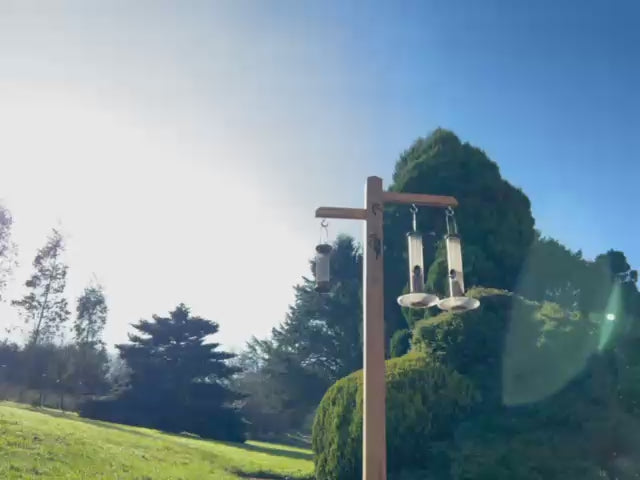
(48, 444)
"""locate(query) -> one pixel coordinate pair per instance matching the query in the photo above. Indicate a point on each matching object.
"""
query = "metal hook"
(324, 226)
(452, 227)
(413, 211)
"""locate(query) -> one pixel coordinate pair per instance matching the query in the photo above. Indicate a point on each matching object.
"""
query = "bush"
(550, 382)
(424, 401)
(400, 343)
(204, 421)
(529, 454)
(516, 351)
(548, 390)
(113, 409)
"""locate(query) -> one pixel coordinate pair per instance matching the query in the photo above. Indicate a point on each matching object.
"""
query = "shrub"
(547, 386)
(113, 409)
(204, 421)
(515, 351)
(531, 455)
(400, 343)
(549, 380)
(424, 401)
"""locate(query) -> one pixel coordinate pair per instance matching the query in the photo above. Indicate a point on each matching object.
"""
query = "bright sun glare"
(150, 214)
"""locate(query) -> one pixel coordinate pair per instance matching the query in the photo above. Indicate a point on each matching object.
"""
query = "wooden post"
(374, 448)
(374, 440)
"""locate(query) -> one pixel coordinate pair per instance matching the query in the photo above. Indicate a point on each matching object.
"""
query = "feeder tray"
(458, 304)
(417, 300)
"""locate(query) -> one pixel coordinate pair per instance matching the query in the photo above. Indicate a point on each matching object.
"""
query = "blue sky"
(177, 142)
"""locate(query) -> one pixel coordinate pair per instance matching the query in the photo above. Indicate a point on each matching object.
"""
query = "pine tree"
(178, 380)
(324, 331)
(319, 341)
(44, 308)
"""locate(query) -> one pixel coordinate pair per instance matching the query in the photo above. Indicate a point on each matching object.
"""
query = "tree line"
(170, 375)
(320, 339)
(272, 388)
(59, 354)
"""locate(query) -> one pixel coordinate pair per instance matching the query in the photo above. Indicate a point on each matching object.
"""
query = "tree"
(607, 275)
(90, 374)
(117, 373)
(61, 371)
(91, 316)
(281, 390)
(179, 381)
(494, 218)
(7, 248)
(44, 308)
(10, 367)
(553, 273)
(319, 341)
(324, 331)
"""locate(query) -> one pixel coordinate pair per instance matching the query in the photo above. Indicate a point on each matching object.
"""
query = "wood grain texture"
(374, 458)
(421, 199)
(345, 213)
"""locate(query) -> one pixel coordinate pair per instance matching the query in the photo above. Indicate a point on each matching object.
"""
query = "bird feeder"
(416, 298)
(456, 301)
(323, 264)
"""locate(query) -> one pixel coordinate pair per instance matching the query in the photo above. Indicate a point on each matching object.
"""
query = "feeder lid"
(458, 304)
(417, 300)
(323, 248)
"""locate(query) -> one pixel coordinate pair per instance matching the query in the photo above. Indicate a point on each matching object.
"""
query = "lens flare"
(545, 348)
(614, 309)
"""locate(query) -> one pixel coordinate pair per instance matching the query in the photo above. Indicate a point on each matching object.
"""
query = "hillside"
(47, 444)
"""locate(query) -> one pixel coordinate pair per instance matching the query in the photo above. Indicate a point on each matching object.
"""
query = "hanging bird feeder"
(323, 262)
(416, 298)
(456, 301)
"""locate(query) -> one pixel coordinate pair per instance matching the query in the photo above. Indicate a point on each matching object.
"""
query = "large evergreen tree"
(178, 379)
(44, 307)
(494, 219)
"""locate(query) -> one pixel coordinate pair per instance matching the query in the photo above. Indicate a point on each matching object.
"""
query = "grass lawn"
(48, 444)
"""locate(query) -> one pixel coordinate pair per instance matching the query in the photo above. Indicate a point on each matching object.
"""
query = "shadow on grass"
(88, 421)
(275, 451)
(279, 452)
(268, 476)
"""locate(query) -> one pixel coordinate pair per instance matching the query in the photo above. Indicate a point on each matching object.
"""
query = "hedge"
(219, 424)
(400, 343)
(513, 390)
(424, 401)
